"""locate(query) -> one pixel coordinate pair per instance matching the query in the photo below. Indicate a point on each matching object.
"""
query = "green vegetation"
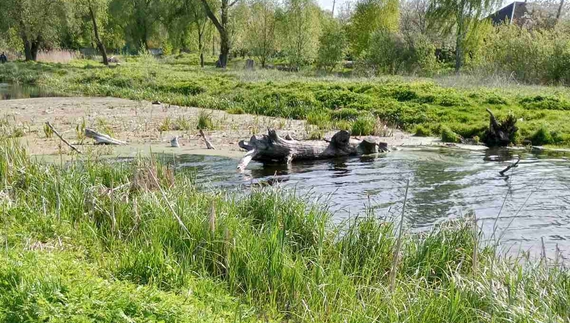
(98, 241)
(326, 102)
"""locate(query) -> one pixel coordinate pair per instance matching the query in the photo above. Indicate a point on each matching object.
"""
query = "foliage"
(332, 46)
(370, 16)
(205, 121)
(447, 135)
(399, 102)
(534, 56)
(393, 53)
(301, 30)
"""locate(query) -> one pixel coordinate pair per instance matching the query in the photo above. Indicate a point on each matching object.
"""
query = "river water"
(16, 91)
(530, 206)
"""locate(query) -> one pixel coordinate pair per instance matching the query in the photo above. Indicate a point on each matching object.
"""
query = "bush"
(447, 135)
(364, 126)
(319, 118)
(422, 131)
(544, 137)
(394, 53)
(530, 55)
(205, 121)
(332, 45)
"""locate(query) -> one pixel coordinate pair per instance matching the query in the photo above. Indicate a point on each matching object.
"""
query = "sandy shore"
(138, 124)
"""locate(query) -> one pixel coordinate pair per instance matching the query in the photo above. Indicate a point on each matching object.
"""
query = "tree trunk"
(201, 46)
(35, 48)
(271, 147)
(459, 40)
(559, 13)
(27, 49)
(224, 48)
(100, 44)
(222, 29)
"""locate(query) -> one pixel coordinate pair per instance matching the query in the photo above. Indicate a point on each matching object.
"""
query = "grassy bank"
(421, 106)
(94, 241)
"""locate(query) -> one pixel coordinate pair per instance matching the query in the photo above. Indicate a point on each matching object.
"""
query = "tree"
(464, 15)
(332, 45)
(368, 17)
(36, 22)
(261, 30)
(300, 28)
(138, 18)
(222, 25)
(96, 10)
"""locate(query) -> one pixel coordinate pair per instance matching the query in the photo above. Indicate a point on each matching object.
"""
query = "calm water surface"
(16, 91)
(532, 204)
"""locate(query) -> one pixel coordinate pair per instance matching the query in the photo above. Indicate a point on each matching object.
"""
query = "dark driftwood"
(62, 139)
(500, 133)
(102, 139)
(510, 166)
(273, 148)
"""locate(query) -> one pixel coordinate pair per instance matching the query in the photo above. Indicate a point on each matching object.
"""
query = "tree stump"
(500, 134)
(249, 64)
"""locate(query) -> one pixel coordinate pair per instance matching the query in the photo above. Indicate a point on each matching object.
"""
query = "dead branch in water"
(62, 139)
(510, 166)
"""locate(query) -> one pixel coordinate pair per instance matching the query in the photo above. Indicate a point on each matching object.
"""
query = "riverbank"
(146, 126)
(96, 241)
(363, 105)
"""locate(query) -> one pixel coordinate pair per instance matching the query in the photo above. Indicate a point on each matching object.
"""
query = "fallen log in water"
(272, 148)
(102, 139)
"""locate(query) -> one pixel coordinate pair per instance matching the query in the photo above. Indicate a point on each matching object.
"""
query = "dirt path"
(138, 123)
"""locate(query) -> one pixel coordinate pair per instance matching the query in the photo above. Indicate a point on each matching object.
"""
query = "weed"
(205, 121)
(447, 135)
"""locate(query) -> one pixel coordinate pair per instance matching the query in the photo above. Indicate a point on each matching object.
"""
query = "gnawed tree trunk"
(500, 133)
(273, 148)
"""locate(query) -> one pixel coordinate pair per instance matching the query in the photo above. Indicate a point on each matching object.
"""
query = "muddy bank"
(140, 125)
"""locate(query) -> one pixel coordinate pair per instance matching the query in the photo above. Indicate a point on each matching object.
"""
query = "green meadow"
(450, 107)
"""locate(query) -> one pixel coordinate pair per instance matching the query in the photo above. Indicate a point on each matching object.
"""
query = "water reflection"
(17, 91)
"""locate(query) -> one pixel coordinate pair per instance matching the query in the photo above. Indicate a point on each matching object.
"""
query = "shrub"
(332, 45)
(205, 121)
(422, 131)
(542, 137)
(235, 110)
(319, 118)
(394, 53)
(447, 135)
(364, 126)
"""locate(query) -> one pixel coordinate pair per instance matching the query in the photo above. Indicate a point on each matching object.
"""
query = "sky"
(327, 4)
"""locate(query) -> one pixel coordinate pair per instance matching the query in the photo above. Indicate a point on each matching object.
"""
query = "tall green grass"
(78, 238)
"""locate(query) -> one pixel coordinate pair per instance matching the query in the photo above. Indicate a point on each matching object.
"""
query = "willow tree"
(35, 21)
(300, 28)
(96, 11)
(260, 35)
(368, 17)
(222, 25)
(462, 15)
